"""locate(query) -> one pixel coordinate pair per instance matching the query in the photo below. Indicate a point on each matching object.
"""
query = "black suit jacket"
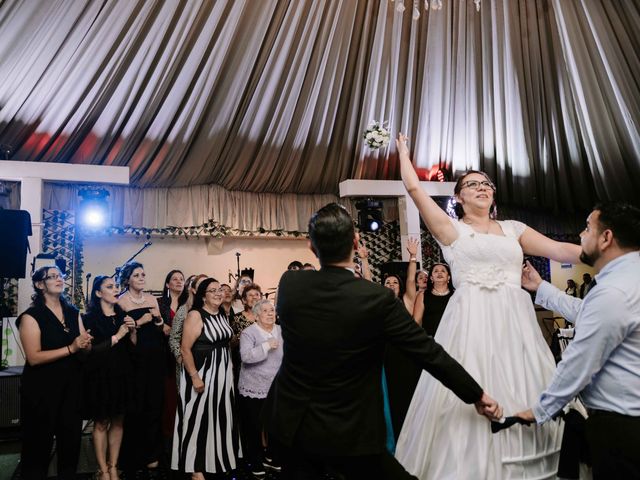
(327, 397)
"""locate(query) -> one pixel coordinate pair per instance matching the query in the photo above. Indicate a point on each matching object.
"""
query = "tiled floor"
(10, 457)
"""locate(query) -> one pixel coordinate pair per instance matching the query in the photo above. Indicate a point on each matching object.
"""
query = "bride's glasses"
(475, 185)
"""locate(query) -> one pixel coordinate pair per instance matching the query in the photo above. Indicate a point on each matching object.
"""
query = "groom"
(325, 407)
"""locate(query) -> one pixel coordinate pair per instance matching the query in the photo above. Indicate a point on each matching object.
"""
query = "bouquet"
(376, 135)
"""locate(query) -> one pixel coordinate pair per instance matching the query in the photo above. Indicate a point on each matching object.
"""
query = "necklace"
(137, 301)
(438, 293)
(61, 319)
(64, 325)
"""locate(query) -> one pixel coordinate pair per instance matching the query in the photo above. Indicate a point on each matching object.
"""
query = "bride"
(490, 327)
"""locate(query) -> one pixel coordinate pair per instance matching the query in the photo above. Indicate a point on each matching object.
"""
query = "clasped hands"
(488, 407)
(81, 342)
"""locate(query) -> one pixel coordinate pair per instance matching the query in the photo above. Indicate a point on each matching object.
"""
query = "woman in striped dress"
(206, 434)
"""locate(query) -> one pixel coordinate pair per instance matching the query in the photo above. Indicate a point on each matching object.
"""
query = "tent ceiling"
(273, 96)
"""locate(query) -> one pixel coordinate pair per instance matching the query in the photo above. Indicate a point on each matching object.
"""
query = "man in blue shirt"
(602, 363)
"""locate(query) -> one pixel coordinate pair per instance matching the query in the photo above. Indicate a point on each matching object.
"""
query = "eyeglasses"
(475, 185)
(55, 276)
(215, 290)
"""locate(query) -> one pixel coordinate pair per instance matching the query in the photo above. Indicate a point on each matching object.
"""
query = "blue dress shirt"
(602, 362)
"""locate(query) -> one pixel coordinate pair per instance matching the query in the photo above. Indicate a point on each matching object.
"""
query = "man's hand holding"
(488, 407)
(531, 279)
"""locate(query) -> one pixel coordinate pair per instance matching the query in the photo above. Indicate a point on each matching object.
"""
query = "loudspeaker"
(396, 268)
(10, 397)
(15, 227)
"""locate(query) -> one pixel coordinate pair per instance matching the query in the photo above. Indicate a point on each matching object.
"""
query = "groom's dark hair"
(331, 233)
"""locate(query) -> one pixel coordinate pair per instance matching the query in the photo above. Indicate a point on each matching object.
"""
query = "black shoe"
(257, 471)
(270, 465)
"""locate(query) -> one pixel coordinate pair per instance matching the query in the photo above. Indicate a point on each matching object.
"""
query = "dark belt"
(207, 347)
(595, 413)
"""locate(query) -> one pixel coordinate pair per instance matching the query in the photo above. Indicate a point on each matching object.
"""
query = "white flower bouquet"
(376, 135)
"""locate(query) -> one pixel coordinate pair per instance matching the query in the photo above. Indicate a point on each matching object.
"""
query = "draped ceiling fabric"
(246, 97)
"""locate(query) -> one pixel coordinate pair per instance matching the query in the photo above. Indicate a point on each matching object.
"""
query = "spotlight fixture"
(369, 215)
(94, 210)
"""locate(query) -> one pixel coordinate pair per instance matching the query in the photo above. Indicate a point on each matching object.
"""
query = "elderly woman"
(261, 353)
(206, 437)
(52, 335)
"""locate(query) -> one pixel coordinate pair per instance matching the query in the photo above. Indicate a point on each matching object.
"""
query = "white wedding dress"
(490, 327)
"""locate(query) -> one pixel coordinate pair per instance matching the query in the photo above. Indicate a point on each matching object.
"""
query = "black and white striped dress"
(206, 433)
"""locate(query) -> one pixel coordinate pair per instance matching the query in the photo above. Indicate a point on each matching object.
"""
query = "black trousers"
(614, 442)
(298, 465)
(251, 429)
(41, 422)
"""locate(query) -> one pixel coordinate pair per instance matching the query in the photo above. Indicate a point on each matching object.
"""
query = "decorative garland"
(210, 229)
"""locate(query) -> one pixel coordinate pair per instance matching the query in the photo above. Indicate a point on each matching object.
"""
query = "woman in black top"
(431, 304)
(142, 442)
(108, 386)
(51, 334)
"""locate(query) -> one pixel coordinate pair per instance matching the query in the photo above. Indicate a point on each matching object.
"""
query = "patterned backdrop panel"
(383, 247)
(61, 238)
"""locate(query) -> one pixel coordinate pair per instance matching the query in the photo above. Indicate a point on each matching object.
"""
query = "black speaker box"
(15, 227)
(10, 397)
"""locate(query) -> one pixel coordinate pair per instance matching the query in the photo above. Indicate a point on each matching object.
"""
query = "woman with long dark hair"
(431, 304)
(206, 435)
(142, 443)
(175, 336)
(52, 335)
(174, 295)
(108, 383)
(405, 293)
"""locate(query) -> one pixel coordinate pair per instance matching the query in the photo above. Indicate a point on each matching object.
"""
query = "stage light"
(369, 215)
(94, 210)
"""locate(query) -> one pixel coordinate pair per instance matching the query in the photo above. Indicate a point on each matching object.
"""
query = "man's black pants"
(614, 442)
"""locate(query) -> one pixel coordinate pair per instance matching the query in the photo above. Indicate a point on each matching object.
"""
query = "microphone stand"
(119, 269)
(238, 262)
(86, 296)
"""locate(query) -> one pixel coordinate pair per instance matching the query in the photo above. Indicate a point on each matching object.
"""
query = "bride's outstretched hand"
(488, 407)
(401, 145)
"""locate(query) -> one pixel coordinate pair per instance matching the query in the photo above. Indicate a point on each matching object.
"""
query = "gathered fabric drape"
(272, 97)
(196, 206)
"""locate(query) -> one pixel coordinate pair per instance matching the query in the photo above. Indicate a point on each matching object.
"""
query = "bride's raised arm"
(437, 221)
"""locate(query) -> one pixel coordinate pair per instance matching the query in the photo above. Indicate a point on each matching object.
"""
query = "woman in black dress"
(142, 442)
(51, 334)
(431, 304)
(108, 387)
